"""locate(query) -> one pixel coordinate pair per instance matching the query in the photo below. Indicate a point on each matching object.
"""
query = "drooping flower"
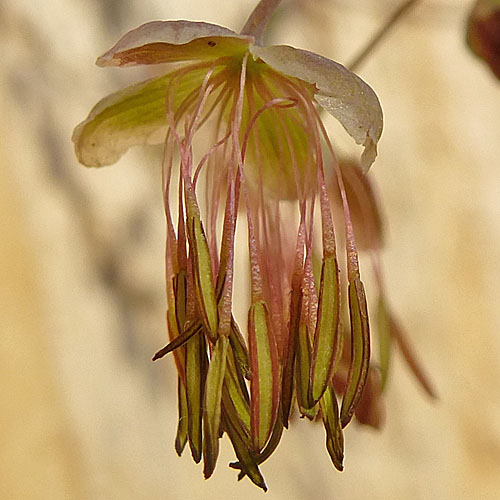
(242, 121)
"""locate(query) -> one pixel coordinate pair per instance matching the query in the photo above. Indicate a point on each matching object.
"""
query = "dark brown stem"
(380, 34)
(259, 18)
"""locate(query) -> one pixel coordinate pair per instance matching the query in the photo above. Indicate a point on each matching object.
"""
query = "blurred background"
(85, 414)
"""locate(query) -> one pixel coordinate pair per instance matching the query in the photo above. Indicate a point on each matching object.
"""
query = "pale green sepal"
(130, 117)
(173, 41)
(340, 91)
(121, 120)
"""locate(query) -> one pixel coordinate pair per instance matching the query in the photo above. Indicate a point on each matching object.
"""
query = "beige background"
(84, 414)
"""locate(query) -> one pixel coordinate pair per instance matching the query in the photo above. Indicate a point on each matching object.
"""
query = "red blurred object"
(483, 33)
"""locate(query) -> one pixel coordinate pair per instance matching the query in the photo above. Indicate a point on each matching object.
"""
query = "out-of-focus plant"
(368, 227)
(483, 32)
(242, 121)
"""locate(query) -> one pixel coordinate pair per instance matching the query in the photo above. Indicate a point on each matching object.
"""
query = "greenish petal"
(341, 92)
(173, 41)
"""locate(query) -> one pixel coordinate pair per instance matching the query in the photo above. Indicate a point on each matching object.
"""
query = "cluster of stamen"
(265, 158)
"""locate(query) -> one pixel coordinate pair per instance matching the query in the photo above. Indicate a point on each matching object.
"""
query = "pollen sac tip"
(345, 417)
(208, 467)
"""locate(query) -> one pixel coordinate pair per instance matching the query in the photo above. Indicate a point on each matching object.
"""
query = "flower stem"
(380, 34)
(259, 18)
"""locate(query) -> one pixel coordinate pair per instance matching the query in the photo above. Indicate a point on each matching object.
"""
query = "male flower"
(242, 122)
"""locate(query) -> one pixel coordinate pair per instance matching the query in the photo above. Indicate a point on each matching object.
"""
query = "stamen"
(295, 307)
(209, 153)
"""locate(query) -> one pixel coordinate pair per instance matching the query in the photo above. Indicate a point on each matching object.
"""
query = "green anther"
(195, 384)
(289, 356)
(334, 436)
(180, 289)
(236, 388)
(204, 284)
(265, 376)
(360, 350)
(267, 451)
(242, 448)
(239, 349)
(182, 425)
(180, 340)
(303, 367)
(212, 407)
(326, 339)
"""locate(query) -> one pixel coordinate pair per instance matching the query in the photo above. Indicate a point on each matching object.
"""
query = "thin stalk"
(259, 18)
(375, 40)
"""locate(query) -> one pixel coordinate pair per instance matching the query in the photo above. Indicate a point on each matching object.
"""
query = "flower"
(243, 122)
